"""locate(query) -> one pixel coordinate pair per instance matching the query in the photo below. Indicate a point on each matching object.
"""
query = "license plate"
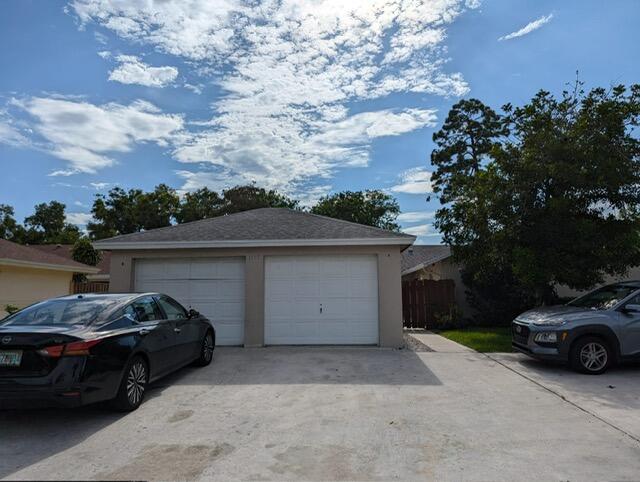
(10, 358)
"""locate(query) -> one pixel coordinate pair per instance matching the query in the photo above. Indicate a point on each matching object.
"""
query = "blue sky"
(307, 97)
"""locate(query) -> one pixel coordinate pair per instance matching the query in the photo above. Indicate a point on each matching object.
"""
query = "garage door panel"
(213, 286)
(335, 287)
(297, 286)
(305, 288)
(203, 269)
(361, 267)
(365, 288)
(280, 289)
(333, 267)
(149, 271)
(231, 270)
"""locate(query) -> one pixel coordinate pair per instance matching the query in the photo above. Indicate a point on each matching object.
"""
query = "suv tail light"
(77, 348)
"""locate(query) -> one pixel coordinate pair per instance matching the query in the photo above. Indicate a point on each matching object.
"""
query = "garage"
(273, 276)
(212, 286)
(321, 300)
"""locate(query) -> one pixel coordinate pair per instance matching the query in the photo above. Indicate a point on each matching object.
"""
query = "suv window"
(146, 309)
(172, 308)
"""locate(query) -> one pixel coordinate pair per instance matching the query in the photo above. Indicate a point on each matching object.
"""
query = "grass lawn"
(485, 339)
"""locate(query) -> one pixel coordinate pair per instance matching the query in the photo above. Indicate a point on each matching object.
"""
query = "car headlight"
(546, 337)
(551, 323)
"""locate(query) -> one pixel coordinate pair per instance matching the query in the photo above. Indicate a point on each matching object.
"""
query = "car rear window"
(63, 312)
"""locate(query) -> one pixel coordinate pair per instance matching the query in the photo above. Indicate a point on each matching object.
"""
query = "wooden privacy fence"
(90, 287)
(423, 300)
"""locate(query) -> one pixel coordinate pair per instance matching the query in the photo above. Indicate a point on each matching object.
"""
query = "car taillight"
(77, 348)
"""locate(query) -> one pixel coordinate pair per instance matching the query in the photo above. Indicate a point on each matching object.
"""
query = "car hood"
(551, 315)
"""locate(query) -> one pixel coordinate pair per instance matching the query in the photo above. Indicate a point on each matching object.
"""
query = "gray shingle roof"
(267, 224)
(424, 255)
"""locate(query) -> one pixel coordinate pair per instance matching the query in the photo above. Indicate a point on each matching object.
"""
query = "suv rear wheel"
(591, 355)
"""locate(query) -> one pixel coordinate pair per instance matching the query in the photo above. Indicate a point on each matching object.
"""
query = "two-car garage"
(309, 300)
(273, 276)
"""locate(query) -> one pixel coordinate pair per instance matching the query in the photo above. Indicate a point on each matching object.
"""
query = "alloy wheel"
(593, 356)
(136, 382)
(207, 347)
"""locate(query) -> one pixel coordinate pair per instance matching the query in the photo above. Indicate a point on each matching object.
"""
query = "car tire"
(591, 355)
(133, 385)
(207, 347)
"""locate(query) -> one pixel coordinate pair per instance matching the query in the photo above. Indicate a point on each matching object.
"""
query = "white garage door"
(315, 300)
(212, 286)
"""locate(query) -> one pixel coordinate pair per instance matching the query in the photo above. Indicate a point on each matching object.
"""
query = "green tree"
(84, 252)
(244, 198)
(48, 225)
(9, 227)
(200, 204)
(123, 212)
(371, 207)
(539, 195)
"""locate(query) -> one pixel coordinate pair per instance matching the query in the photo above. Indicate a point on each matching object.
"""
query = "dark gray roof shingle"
(266, 224)
(424, 254)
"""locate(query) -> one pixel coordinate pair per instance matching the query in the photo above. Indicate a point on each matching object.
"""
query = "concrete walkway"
(437, 343)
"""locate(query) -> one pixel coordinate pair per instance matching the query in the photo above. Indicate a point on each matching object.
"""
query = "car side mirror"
(192, 314)
(632, 308)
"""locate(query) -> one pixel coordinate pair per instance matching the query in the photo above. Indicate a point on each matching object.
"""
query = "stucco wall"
(389, 281)
(24, 286)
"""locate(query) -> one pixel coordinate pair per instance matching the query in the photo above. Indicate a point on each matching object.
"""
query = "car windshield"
(62, 312)
(604, 298)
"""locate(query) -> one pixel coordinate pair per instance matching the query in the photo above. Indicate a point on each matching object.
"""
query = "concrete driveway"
(343, 413)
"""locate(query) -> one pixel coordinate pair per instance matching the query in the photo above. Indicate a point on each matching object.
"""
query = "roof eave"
(261, 243)
(420, 266)
(49, 266)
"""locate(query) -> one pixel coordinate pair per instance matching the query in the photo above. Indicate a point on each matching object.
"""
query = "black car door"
(188, 332)
(159, 337)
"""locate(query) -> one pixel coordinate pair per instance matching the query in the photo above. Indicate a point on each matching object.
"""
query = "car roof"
(102, 296)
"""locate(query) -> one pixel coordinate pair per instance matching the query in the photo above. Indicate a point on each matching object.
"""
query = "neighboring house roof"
(422, 255)
(64, 251)
(259, 227)
(12, 254)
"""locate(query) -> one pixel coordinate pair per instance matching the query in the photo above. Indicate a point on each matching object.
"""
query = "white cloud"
(416, 180)
(530, 27)
(85, 134)
(133, 71)
(420, 230)
(425, 233)
(416, 216)
(80, 219)
(288, 69)
(99, 186)
(11, 135)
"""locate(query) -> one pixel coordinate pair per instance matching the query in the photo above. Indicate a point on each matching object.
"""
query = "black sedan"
(82, 349)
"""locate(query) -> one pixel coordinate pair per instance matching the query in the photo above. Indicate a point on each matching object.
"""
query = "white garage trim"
(406, 240)
(321, 300)
(213, 286)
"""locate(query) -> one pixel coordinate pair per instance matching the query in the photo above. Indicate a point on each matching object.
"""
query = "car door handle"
(177, 330)
(144, 332)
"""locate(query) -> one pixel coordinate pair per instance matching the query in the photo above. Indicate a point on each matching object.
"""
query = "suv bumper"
(523, 341)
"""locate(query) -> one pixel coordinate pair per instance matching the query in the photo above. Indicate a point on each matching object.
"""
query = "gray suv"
(591, 333)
